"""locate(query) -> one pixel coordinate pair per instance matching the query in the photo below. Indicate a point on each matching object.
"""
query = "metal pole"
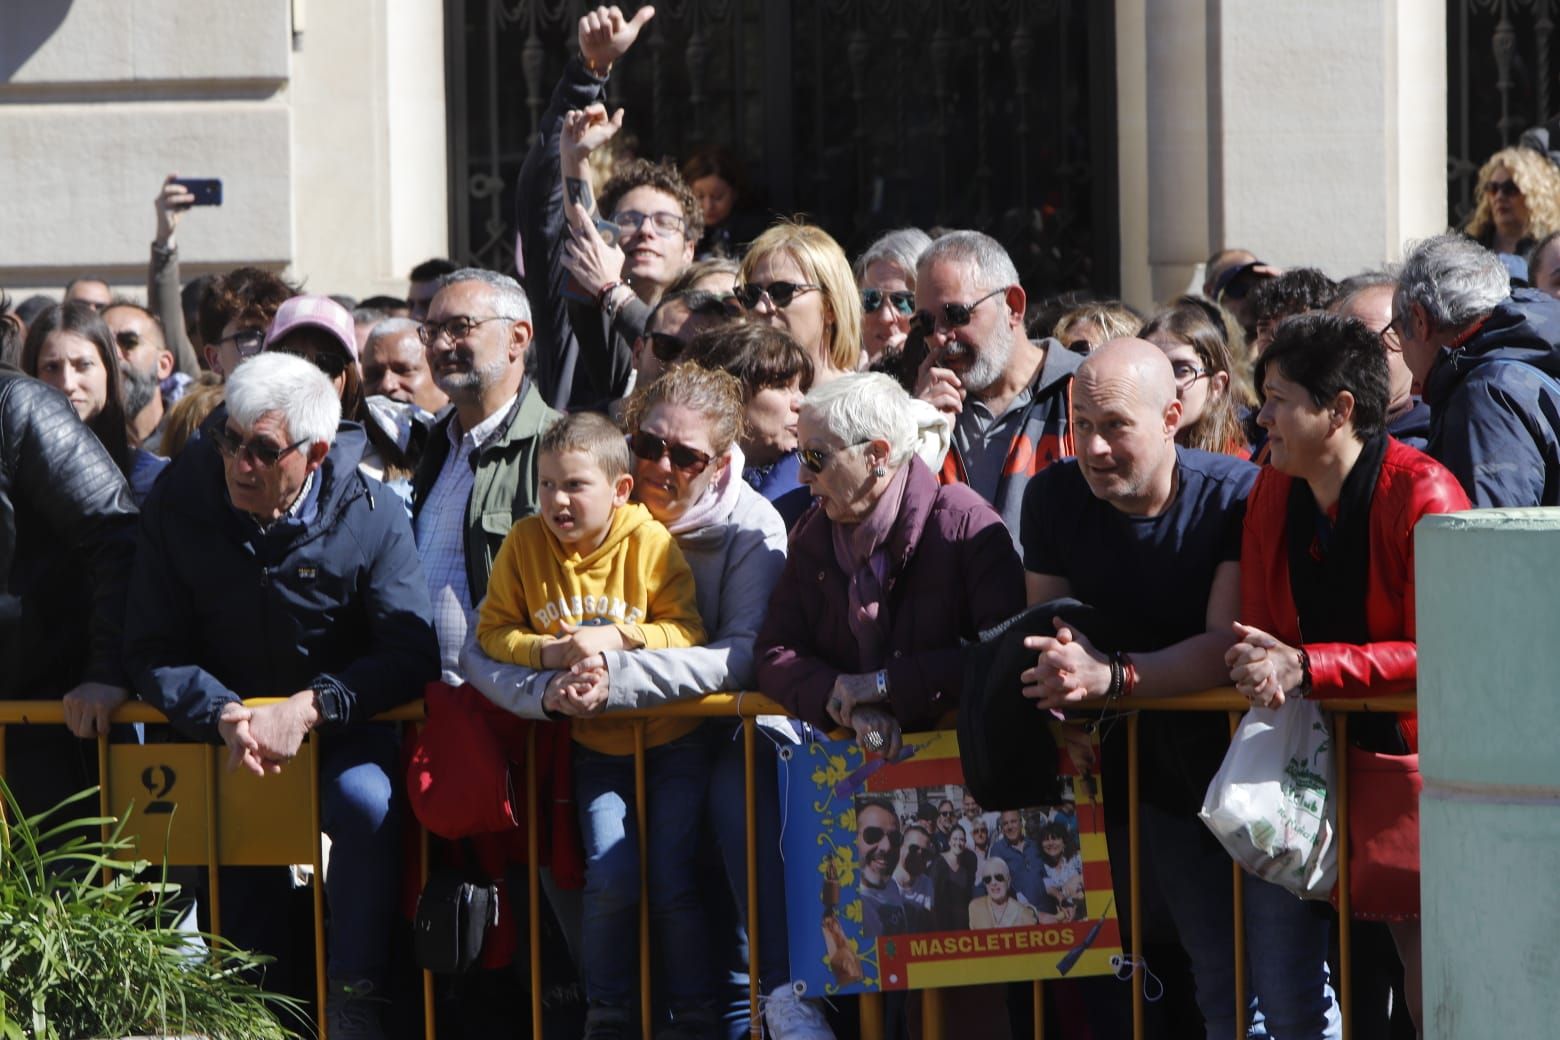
(749, 773)
(1238, 890)
(1134, 873)
(641, 815)
(533, 879)
(1345, 953)
(319, 883)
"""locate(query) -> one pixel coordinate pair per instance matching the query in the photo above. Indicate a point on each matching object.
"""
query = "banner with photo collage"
(894, 880)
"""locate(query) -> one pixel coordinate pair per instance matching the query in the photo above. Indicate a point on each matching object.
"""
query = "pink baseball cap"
(320, 312)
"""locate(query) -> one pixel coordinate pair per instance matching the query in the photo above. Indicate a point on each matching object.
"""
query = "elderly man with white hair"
(1485, 358)
(270, 566)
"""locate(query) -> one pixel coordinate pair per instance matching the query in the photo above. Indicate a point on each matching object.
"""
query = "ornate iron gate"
(861, 114)
(1499, 83)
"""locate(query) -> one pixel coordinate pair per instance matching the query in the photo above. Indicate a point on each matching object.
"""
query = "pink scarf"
(862, 553)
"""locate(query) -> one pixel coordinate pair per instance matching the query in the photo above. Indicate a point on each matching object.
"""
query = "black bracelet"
(1118, 676)
(1304, 689)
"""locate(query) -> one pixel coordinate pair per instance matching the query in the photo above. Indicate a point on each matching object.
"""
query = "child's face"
(576, 498)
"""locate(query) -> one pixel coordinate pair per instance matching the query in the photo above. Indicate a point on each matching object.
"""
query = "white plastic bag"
(1271, 802)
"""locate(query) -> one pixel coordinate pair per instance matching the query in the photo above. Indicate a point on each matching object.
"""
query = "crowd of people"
(686, 452)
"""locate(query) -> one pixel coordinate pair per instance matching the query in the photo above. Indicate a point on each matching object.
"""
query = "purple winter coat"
(952, 573)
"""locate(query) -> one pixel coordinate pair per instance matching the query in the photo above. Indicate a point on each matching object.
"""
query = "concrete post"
(1488, 601)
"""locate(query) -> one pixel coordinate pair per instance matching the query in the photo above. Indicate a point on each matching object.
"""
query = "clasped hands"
(580, 683)
(1262, 668)
(263, 739)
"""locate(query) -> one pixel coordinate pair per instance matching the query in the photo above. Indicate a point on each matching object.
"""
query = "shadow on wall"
(26, 26)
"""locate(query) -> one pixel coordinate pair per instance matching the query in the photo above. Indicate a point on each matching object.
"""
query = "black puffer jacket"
(67, 539)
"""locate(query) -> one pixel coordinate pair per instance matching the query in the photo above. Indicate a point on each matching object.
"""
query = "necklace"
(1006, 916)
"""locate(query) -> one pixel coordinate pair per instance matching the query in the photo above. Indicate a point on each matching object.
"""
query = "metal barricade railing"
(747, 707)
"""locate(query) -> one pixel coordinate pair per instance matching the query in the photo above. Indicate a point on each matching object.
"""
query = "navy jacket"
(1493, 422)
(221, 611)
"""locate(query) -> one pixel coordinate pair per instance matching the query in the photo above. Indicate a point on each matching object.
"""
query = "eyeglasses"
(1186, 374)
(456, 328)
(260, 453)
(1394, 343)
(955, 315)
(816, 459)
(127, 340)
(946, 813)
(781, 294)
(631, 220)
(327, 361)
(665, 346)
(874, 835)
(987, 879)
(1507, 188)
(731, 306)
(648, 446)
(246, 341)
(902, 299)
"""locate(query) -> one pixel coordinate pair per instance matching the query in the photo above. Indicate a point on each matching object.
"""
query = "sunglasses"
(955, 315)
(817, 459)
(127, 340)
(1507, 188)
(874, 835)
(902, 299)
(651, 448)
(259, 452)
(946, 813)
(987, 879)
(246, 341)
(665, 346)
(778, 293)
(329, 362)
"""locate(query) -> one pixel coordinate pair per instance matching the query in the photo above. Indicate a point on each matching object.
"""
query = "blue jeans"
(677, 775)
(360, 812)
(1286, 938)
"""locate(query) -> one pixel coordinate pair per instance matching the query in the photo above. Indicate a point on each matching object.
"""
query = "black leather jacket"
(67, 538)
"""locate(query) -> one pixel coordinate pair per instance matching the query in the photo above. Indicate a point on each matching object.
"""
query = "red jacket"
(1411, 485)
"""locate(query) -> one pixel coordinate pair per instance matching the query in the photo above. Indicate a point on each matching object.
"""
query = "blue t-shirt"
(1150, 576)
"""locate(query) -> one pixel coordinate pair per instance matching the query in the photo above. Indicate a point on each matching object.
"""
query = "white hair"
(387, 327)
(509, 299)
(981, 253)
(1453, 278)
(902, 248)
(865, 406)
(289, 385)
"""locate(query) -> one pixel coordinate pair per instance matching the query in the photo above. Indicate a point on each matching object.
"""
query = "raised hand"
(585, 130)
(171, 202)
(605, 35)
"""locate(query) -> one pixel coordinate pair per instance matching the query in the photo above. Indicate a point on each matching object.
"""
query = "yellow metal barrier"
(217, 848)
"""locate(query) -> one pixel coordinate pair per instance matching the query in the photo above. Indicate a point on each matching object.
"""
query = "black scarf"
(1329, 572)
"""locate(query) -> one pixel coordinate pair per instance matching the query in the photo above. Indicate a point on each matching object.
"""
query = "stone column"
(1489, 730)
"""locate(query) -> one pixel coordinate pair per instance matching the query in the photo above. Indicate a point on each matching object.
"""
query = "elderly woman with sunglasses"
(888, 578)
(886, 275)
(797, 278)
(1516, 201)
(683, 431)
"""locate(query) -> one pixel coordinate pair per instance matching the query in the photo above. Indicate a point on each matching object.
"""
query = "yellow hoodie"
(637, 580)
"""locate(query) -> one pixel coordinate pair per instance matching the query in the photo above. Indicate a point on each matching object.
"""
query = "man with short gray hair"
(1485, 358)
(477, 475)
(270, 566)
(1009, 396)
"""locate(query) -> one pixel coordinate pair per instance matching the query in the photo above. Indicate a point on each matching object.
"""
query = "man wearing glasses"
(145, 362)
(595, 275)
(90, 290)
(235, 311)
(1009, 395)
(269, 566)
(1368, 298)
(878, 844)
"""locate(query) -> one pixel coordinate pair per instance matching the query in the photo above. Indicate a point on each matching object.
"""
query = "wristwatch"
(332, 698)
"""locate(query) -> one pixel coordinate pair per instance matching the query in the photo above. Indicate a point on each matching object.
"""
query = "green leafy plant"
(80, 958)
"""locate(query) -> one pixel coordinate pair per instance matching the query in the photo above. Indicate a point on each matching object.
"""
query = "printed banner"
(895, 879)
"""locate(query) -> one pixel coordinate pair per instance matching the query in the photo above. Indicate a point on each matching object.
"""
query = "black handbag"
(454, 915)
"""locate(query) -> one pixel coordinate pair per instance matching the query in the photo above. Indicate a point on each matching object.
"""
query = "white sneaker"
(789, 1017)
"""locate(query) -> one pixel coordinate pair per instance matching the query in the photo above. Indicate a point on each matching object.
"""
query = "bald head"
(1128, 366)
(1125, 413)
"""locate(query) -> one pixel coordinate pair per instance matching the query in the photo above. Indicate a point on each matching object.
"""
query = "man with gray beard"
(145, 363)
(1009, 396)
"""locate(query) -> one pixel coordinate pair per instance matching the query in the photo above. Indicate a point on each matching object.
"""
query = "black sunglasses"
(987, 879)
(780, 293)
(873, 835)
(955, 315)
(261, 453)
(329, 362)
(816, 459)
(665, 346)
(1506, 188)
(651, 448)
(127, 339)
(902, 299)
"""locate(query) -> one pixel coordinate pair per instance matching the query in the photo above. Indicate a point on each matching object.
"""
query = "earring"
(879, 471)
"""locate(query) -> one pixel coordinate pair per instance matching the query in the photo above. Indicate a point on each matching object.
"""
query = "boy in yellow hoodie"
(593, 572)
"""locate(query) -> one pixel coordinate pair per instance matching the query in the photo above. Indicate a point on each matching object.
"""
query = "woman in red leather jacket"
(1327, 560)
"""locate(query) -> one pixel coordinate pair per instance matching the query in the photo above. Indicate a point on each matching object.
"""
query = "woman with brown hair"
(1196, 338)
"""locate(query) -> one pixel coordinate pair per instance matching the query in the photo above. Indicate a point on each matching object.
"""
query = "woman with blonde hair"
(796, 277)
(1517, 201)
